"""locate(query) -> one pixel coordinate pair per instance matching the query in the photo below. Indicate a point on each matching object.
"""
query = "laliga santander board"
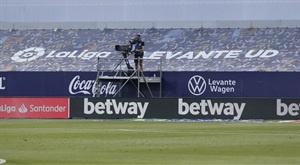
(51, 108)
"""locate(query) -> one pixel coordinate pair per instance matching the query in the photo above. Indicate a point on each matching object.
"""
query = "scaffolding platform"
(141, 79)
(136, 77)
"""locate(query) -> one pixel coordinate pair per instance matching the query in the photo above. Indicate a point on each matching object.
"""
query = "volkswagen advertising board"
(231, 84)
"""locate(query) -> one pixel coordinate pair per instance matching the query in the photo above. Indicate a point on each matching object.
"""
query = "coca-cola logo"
(88, 87)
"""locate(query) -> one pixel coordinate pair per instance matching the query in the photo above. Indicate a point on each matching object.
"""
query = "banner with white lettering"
(174, 84)
(49, 84)
(185, 108)
(202, 49)
(231, 84)
(53, 108)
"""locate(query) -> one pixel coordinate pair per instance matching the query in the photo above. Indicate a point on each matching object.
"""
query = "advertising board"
(232, 84)
(185, 108)
(174, 85)
(53, 108)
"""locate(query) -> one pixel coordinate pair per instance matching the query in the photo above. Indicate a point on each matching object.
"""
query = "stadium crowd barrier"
(174, 85)
(188, 95)
(151, 108)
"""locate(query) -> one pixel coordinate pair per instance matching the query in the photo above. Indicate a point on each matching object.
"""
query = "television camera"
(126, 50)
(128, 47)
(123, 48)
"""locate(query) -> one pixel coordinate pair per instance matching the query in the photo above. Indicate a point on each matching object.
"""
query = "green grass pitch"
(96, 142)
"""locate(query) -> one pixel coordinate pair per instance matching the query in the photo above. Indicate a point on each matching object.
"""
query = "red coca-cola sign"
(50, 108)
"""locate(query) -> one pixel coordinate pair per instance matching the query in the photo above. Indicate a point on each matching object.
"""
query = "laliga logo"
(197, 85)
(28, 54)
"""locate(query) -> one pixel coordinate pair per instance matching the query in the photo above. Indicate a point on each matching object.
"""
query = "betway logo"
(206, 107)
(110, 107)
(284, 109)
(78, 86)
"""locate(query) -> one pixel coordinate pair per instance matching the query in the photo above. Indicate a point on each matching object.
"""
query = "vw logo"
(197, 85)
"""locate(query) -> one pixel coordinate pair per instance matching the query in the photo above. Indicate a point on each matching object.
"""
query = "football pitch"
(91, 142)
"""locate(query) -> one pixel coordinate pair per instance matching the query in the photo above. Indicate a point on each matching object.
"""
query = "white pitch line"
(2, 161)
(207, 132)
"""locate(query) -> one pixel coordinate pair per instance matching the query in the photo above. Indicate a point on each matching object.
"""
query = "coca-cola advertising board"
(50, 108)
(65, 84)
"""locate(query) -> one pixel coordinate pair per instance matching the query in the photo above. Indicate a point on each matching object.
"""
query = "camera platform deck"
(141, 79)
(136, 77)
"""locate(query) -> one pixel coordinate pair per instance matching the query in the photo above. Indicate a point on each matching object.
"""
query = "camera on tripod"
(126, 48)
(123, 48)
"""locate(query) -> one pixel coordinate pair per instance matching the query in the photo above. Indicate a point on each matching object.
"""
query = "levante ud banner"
(200, 49)
(173, 84)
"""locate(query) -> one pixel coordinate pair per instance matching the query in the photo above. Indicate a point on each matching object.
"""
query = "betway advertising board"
(53, 108)
(185, 108)
(174, 85)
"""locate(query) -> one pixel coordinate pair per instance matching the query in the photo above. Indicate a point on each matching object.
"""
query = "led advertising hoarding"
(185, 108)
(52, 108)
(174, 84)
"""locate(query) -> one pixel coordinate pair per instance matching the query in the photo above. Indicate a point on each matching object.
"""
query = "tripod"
(125, 58)
(138, 78)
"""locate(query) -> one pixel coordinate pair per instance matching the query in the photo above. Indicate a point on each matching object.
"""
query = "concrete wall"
(144, 24)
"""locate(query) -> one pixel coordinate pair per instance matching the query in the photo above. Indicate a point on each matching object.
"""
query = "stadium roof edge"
(151, 24)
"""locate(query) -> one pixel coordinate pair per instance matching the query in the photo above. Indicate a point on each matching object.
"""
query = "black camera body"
(128, 47)
(123, 48)
(126, 50)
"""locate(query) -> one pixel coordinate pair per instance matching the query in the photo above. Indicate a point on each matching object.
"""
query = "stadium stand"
(203, 49)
